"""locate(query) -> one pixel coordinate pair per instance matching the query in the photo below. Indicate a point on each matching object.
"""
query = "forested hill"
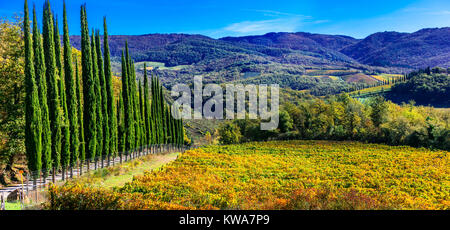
(426, 47)
(183, 49)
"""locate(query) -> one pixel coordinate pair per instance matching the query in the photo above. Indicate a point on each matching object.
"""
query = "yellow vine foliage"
(281, 175)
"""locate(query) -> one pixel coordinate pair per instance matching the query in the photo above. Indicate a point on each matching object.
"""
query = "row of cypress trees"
(71, 114)
(142, 121)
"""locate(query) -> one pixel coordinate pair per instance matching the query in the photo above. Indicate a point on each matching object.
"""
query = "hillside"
(426, 47)
(322, 64)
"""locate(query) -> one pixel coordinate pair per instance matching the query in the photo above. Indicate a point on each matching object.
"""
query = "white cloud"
(289, 24)
(276, 22)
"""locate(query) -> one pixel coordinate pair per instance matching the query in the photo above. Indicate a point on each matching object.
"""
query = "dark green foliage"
(229, 134)
(103, 92)
(142, 124)
(128, 108)
(33, 129)
(98, 97)
(57, 38)
(344, 118)
(71, 94)
(135, 103)
(109, 91)
(423, 88)
(378, 113)
(65, 126)
(41, 81)
(147, 115)
(89, 95)
(121, 126)
(65, 129)
(82, 147)
(52, 85)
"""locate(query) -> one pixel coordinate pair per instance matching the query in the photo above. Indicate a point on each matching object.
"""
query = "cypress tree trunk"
(33, 129)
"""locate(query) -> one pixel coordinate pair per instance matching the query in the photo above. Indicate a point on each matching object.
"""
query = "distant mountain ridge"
(426, 47)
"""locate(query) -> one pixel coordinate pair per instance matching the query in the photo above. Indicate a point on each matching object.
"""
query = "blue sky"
(356, 18)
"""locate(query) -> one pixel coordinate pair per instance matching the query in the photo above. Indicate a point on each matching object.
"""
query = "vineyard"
(279, 175)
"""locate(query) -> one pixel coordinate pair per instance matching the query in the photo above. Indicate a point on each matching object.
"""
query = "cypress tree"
(161, 113)
(90, 106)
(52, 83)
(135, 104)
(147, 118)
(103, 91)
(109, 91)
(121, 126)
(82, 146)
(127, 111)
(155, 113)
(41, 81)
(71, 96)
(65, 129)
(98, 97)
(141, 115)
(131, 100)
(57, 38)
(155, 134)
(33, 129)
(173, 128)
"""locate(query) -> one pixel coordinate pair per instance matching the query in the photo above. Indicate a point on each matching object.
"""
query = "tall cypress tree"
(109, 91)
(71, 102)
(172, 127)
(103, 92)
(82, 146)
(128, 110)
(160, 110)
(57, 38)
(134, 102)
(121, 126)
(98, 97)
(52, 83)
(142, 116)
(41, 81)
(33, 129)
(155, 115)
(131, 134)
(163, 115)
(147, 118)
(90, 103)
(65, 129)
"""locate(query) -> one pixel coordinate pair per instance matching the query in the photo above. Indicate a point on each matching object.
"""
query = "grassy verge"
(118, 175)
(13, 206)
